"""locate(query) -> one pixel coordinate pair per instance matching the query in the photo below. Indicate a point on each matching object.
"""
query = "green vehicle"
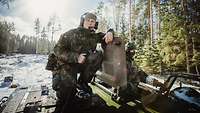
(113, 92)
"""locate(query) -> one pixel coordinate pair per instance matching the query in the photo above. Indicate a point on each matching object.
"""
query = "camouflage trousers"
(65, 82)
(65, 86)
(88, 69)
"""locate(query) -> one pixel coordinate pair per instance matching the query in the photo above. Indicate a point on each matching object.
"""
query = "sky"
(24, 12)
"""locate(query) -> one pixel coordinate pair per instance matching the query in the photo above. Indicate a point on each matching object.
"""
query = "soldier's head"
(130, 48)
(89, 21)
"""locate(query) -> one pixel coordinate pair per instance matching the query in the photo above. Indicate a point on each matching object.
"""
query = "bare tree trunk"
(149, 26)
(183, 3)
(187, 55)
(52, 34)
(158, 24)
(196, 67)
(151, 22)
(130, 22)
(193, 47)
(37, 44)
(8, 46)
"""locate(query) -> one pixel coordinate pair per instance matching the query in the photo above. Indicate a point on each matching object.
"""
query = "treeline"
(11, 43)
(165, 32)
(6, 37)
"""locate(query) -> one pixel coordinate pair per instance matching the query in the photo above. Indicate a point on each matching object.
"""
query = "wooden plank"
(14, 101)
(21, 106)
(33, 95)
(49, 99)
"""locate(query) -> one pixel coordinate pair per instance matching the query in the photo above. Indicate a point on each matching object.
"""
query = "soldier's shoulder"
(68, 34)
(71, 31)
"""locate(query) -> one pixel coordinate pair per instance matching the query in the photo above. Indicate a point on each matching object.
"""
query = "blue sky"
(24, 12)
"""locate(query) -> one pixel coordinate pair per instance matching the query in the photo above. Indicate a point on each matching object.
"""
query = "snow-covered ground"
(27, 70)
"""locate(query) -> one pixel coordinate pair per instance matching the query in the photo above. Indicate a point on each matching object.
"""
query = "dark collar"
(84, 29)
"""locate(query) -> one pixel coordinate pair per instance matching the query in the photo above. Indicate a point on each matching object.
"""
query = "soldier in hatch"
(134, 74)
(75, 53)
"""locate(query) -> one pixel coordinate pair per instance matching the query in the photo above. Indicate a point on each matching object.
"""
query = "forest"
(165, 33)
(40, 43)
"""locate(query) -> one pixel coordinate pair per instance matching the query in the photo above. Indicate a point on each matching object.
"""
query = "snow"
(27, 70)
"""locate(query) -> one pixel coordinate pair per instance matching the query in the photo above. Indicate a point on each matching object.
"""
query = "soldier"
(133, 72)
(131, 67)
(134, 76)
(75, 53)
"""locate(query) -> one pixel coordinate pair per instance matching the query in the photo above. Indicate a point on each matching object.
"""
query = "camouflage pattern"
(74, 42)
(134, 74)
(88, 70)
(130, 51)
(51, 62)
(70, 45)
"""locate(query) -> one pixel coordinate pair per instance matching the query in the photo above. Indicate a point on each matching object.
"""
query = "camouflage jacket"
(75, 42)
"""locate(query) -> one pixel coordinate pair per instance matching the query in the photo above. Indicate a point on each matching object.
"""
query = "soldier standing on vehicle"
(75, 53)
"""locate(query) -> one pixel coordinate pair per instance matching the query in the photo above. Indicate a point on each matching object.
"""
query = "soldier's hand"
(81, 58)
(108, 37)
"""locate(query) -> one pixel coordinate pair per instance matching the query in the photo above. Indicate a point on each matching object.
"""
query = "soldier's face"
(89, 24)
